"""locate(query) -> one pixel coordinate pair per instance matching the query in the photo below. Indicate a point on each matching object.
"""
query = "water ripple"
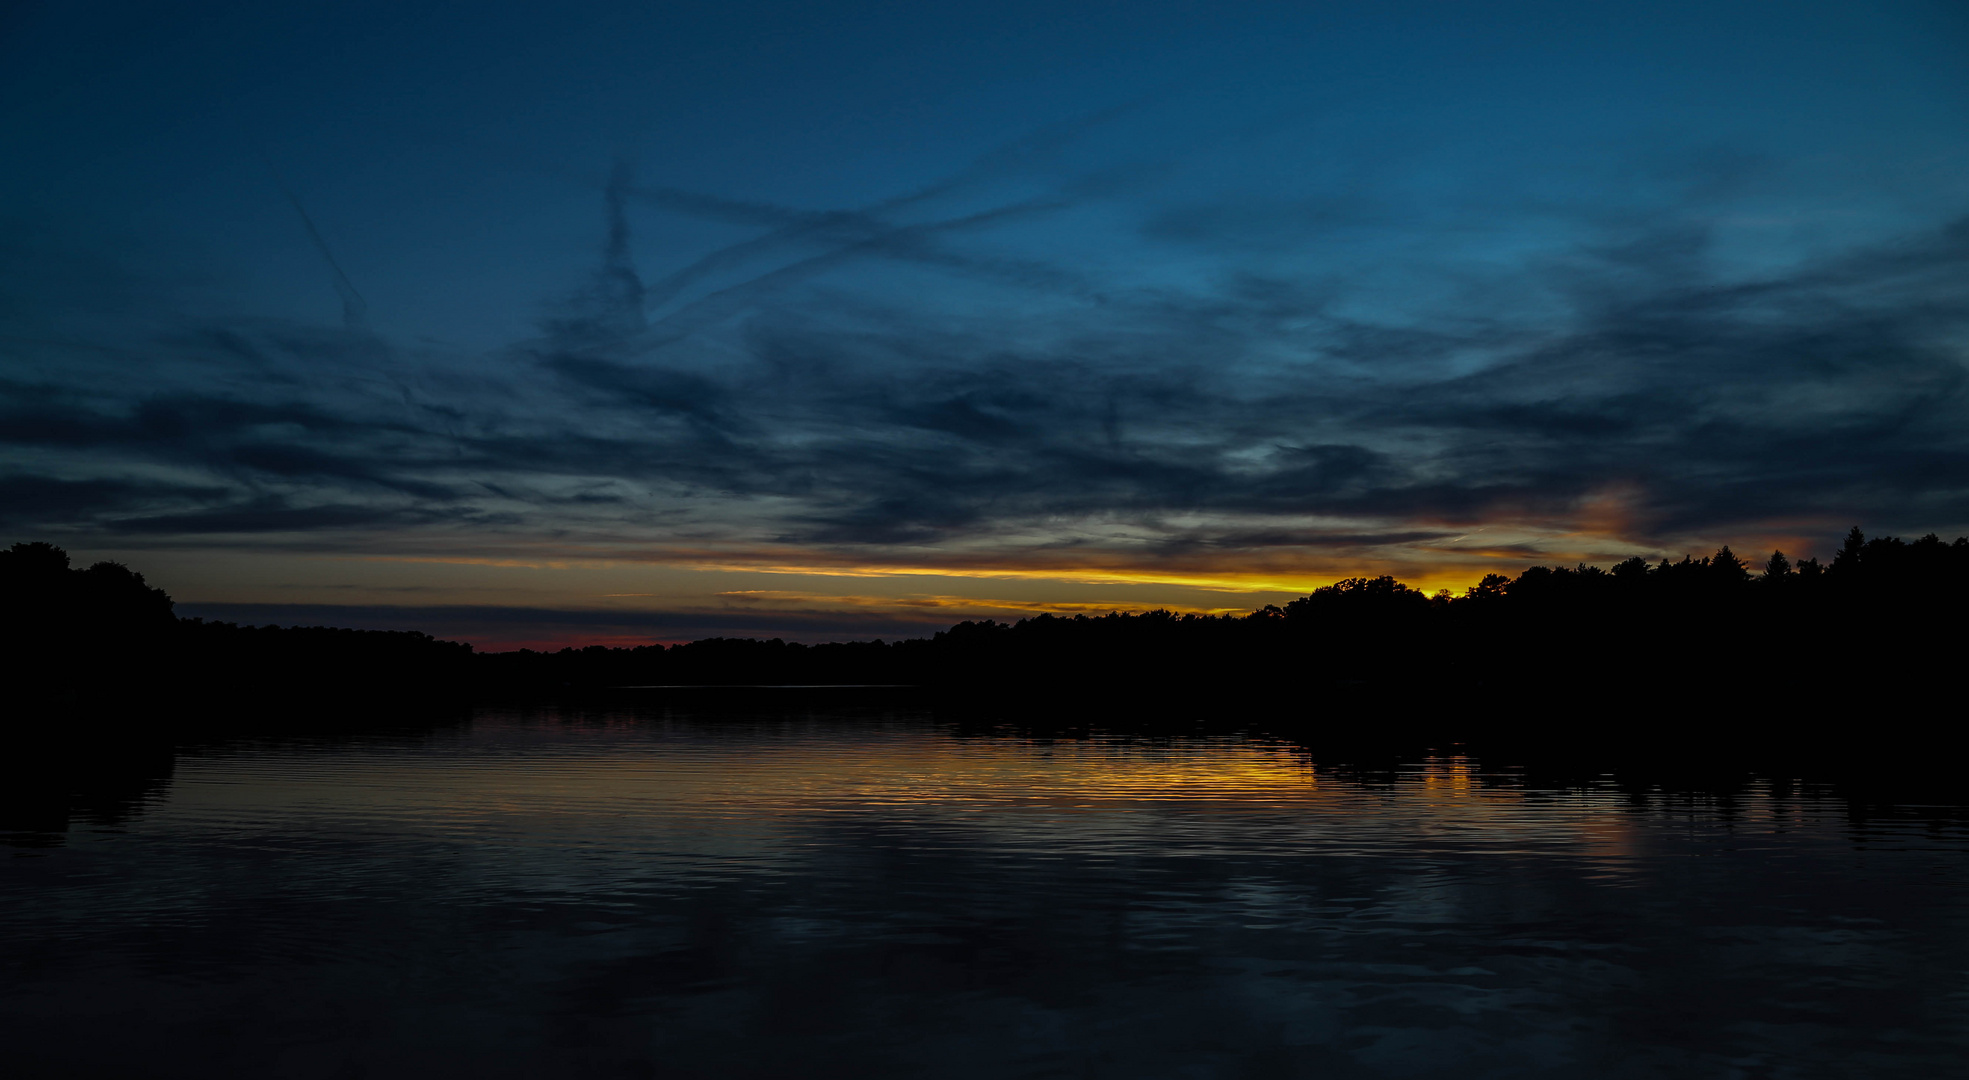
(546, 894)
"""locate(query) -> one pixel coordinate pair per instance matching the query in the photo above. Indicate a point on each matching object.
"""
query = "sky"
(564, 324)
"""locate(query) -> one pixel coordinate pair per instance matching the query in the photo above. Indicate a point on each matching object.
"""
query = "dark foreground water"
(852, 893)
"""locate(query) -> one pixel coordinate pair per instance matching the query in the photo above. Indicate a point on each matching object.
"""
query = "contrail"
(354, 307)
(857, 230)
(840, 231)
(903, 241)
(622, 287)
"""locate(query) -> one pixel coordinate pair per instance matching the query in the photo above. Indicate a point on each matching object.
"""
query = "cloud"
(807, 615)
(1639, 392)
(494, 628)
(30, 501)
(946, 608)
(275, 514)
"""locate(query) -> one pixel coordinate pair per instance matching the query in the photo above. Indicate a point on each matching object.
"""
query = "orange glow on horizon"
(608, 586)
(1216, 580)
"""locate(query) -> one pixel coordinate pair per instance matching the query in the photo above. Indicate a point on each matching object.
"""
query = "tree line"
(1878, 625)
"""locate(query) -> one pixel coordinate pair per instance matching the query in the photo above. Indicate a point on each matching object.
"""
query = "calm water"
(545, 894)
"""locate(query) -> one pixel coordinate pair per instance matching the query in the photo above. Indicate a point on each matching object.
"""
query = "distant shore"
(1701, 642)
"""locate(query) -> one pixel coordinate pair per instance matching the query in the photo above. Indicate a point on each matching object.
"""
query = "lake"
(806, 889)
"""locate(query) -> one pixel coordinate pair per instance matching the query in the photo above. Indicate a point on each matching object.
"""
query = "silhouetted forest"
(102, 636)
(1879, 625)
(1877, 630)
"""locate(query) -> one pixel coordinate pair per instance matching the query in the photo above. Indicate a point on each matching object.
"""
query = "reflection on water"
(853, 895)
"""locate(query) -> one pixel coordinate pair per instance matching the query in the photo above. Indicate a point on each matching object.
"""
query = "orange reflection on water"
(751, 790)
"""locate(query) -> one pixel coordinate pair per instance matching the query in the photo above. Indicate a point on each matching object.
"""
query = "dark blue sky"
(524, 323)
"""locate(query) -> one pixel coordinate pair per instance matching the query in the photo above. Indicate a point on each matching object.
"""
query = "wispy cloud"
(946, 607)
(764, 408)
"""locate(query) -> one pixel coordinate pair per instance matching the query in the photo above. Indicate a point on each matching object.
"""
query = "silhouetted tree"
(1851, 552)
(1633, 570)
(1727, 568)
(1777, 568)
